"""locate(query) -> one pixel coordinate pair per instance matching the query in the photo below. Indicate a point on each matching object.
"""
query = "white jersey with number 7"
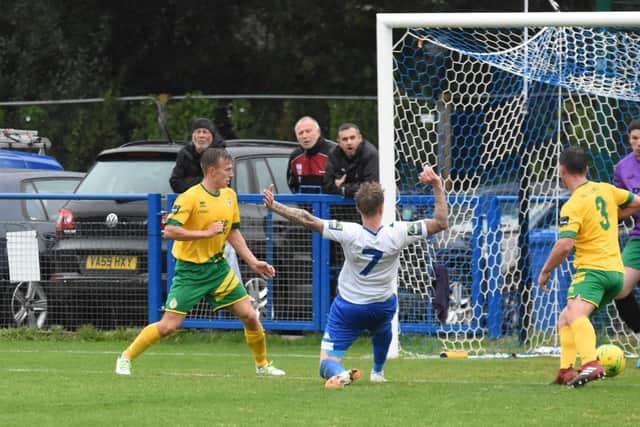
(372, 258)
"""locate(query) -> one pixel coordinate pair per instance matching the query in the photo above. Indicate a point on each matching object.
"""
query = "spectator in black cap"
(187, 171)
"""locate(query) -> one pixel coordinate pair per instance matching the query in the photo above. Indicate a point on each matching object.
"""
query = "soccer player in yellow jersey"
(588, 223)
(202, 219)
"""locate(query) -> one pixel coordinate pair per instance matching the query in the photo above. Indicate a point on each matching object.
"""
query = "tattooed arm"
(299, 216)
(440, 220)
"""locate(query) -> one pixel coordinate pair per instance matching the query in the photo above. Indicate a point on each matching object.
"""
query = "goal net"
(490, 100)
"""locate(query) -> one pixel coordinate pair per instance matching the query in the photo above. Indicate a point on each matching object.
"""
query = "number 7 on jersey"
(375, 257)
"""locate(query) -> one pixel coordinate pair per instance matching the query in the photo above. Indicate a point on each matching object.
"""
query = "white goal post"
(490, 99)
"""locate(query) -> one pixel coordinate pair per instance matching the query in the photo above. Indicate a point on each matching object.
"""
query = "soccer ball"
(611, 357)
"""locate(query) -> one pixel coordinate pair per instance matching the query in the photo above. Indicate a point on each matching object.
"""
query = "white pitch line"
(174, 354)
(287, 378)
(217, 354)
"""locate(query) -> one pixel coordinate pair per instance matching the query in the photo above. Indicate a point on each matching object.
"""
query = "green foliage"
(361, 112)
(89, 333)
(32, 117)
(143, 117)
(288, 117)
(49, 52)
(55, 333)
(181, 112)
(178, 114)
(90, 131)
(242, 118)
(56, 50)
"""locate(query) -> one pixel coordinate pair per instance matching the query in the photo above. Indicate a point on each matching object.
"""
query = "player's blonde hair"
(369, 198)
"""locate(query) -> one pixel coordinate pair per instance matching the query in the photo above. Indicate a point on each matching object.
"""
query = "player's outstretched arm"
(299, 216)
(263, 268)
(631, 208)
(440, 220)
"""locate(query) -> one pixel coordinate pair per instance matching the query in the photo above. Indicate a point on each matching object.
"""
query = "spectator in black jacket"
(307, 162)
(353, 162)
(187, 172)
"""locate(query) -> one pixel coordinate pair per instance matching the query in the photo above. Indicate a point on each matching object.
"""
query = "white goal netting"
(492, 109)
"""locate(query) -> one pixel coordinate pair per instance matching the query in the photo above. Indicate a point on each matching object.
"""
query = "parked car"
(25, 303)
(16, 150)
(101, 248)
(23, 160)
(454, 246)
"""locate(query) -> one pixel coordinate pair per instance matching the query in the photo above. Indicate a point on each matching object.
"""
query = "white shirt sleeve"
(410, 232)
(336, 230)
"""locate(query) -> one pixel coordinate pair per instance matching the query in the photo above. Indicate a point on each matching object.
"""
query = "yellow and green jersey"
(590, 216)
(196, 209)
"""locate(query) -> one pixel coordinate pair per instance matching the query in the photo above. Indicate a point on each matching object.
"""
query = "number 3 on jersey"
(601, 205)
(375, 257)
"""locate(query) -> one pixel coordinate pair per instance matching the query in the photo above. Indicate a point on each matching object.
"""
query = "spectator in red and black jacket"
(187, 171)
(353, 162)
(307, 162)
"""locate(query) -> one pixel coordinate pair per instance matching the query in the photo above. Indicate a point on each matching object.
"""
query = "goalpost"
(490, 100)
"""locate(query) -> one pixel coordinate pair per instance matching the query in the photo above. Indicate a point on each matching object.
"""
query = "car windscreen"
(127, 177)
(45, 209)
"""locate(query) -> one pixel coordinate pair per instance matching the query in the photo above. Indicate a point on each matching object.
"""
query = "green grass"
(63, 379)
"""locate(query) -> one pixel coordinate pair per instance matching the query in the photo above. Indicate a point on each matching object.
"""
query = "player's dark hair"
(575, 160)
(346, 126)
(634, 125)
(369, 197)
(212, 157)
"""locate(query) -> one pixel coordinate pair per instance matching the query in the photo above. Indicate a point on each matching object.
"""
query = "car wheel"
(29, 305)
(258, 295)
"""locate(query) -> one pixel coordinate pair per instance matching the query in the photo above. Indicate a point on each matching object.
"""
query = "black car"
(25, 302)
(101, 249)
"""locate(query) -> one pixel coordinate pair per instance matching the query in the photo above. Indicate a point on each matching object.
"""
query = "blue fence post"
(322, 296)
(155, 256)
(170, 260)
(477, 240)
(494, 262)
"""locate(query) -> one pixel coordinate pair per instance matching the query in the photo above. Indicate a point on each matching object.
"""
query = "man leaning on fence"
(353, 162)
(307, 161)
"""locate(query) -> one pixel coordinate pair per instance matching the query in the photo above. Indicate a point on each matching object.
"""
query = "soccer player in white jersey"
(367, 283)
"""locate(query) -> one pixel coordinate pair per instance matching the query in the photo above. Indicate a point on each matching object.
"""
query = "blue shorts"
(348, 321)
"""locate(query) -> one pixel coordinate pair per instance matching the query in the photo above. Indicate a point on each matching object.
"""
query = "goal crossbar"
(508, 19)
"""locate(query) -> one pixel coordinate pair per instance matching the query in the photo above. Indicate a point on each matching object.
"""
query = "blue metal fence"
(478, 264)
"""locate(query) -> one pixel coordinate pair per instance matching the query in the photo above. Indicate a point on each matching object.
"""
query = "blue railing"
(154, 236)
(484, 247)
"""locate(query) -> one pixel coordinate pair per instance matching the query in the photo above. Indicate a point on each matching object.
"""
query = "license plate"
(111, 262)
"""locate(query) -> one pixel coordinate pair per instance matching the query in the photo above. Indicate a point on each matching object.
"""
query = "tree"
(64, 50)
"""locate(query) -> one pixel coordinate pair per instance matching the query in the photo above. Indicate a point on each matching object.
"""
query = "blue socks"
(381, 341)
(329, 368)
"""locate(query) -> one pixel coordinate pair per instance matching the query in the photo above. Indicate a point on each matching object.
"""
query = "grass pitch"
(208, 379)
